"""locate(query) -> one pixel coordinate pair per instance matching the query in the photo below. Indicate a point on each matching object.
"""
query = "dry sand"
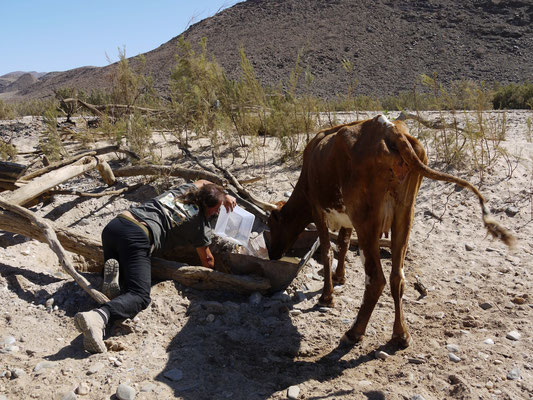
(191, 344)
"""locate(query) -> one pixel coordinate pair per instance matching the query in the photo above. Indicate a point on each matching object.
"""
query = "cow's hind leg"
(374, 284)
(343, 242)
(400, 235)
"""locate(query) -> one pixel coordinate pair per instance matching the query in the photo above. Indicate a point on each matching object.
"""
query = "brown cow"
(364, 176)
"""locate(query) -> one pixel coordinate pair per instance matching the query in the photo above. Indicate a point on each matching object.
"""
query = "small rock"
(26, 252)
(173, 374)
(17, 373)
(453, 357)
(519, 300)
(381, 355)
(416, 397)
(295, 312)
(287, 194)
(497, 362)
(69, 396)
(469, 247)
(416, 360)
(514, 374)
(8, 340)
(210, 318)
(452, 348)
(43, 365)
(293, 392)
(148, 387)
(488, 341)
(281, 296)
(511, 211)
(7, 374)
(255, 298)
(439, 315)
(93, 369)
(125, 392)
(49, 303)
(82, 389)
(489, 385)
(513, 335)
(10, 349)
(485, 306)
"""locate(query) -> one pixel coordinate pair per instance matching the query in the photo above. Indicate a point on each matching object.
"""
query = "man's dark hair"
(209, 195)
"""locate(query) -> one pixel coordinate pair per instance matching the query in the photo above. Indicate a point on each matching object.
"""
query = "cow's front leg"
(326, 299)
(374, 284)
(343, 242)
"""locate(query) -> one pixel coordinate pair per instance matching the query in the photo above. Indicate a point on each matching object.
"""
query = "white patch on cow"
(336, 220)
(384, 120)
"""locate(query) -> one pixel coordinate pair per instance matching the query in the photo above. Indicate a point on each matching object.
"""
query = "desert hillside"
(389, 43)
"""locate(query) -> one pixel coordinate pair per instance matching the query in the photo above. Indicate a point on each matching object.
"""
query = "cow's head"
(280, 240)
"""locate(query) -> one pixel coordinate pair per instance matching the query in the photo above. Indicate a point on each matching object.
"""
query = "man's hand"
(229, 202)
(206, 257)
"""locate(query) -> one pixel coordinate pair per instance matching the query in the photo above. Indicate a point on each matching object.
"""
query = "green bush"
(514, 96)
(6, 111)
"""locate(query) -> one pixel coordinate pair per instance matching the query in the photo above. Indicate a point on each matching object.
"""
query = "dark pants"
(126, 242)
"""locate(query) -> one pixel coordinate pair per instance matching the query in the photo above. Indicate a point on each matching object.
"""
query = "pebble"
(382, 355)
(43, 365)
(17, 373)
(49, 303)
(293, 392)
(489, 385)
(173, 374)
(511, 211)
(93, 369)
(295, 312)
(488, 341)
(255, 298)
(514, 374)
(453, 357)
(416, 397)
(148, 387)
(485, 306)
(69, 396)
(439, 315)
(82, 389)
(513, 335)
(281, 296)
(469, 247)
(125, 392)
(287, 194)
(8, 340)
(452, 348)
(210, 318)
(10, 349)
(416, 361)
(6, 374)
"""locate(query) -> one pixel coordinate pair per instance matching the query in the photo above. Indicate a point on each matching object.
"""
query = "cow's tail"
(411, 159)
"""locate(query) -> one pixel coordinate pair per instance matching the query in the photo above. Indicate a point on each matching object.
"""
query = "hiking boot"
(92, 325)
(110, 286)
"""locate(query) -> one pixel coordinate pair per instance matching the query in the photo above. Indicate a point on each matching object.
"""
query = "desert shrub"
(514, 96)
(6, 111)
(50, 142)
(8, 152)
(34, 107)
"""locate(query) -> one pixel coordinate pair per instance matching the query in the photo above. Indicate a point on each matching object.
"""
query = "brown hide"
(364, 176)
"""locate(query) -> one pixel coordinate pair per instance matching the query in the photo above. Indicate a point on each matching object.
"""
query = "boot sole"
(110, 286)
(90, 343)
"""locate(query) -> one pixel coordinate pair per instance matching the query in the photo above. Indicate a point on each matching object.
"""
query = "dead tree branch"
(55, 245)
(165, 170)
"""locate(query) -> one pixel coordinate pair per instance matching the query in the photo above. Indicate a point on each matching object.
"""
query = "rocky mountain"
(390, 43)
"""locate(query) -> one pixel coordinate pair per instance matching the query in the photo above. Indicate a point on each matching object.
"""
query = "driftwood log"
(185, 173)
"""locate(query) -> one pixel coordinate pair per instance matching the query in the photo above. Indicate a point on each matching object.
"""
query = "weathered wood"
(97, 194)
(185, 173)
(47, 181)
(10, 172)
(106, 172)
(55, 245)
(207, 279)
(56, 165)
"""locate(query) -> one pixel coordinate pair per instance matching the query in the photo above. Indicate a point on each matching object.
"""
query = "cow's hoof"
(403, 340)
(339, 281)
(326, 302)
(348, 340)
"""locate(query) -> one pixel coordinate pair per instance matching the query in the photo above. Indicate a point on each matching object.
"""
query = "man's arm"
(206, 257)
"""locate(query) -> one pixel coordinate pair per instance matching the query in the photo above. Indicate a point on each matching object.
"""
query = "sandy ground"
(191, 344)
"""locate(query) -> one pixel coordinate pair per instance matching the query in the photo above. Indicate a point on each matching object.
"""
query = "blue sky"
(54, 35)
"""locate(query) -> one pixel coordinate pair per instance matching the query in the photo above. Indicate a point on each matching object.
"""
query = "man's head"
(209, 198)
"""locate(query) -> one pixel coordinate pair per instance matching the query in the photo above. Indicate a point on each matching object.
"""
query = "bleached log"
(47, 181)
